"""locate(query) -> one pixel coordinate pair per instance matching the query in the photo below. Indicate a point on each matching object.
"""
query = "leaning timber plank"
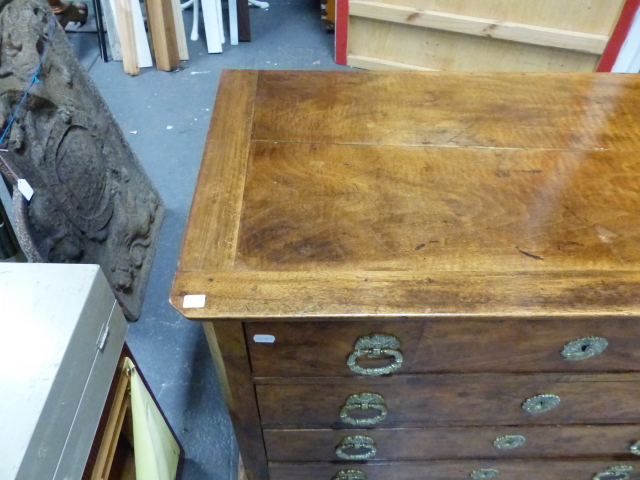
(126, 32)
(244, 23)
(370, 63)
(233, 22)
(163, 34)
(181, 36)
(108, 7)
(516, 32)
(142, 42)
(220, 24)
(211, 26)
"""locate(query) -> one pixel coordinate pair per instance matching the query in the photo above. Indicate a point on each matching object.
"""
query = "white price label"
(194, 301)
(25, 189)
(264, 338)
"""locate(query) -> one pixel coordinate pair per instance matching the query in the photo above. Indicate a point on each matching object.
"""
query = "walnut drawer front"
(457, 470)
(447, 346)
(456, 400)
(449, 443)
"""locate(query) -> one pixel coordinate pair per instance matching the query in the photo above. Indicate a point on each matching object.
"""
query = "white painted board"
(628, 60)
(233, 21)
(220, 23)
(211, 25)
(51, 321)
(142, 41)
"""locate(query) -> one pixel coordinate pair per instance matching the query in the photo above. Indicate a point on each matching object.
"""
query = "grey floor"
(172, 351)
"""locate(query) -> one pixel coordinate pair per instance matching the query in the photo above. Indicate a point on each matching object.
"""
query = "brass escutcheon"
(357, 442)
(364, 402)
(509, 442)
(375, 346)
(541, 403)
(584, 348)
(484, 474)
(620, 472)
(350, 475)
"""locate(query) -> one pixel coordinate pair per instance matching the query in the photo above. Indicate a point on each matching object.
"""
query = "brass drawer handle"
(541, 403)
(584, 348)
(363, 402)
(350, 475)
(509, 442)
(620, 472)
(635, 448)
(357, 442)
(375, 346)
(484, 473)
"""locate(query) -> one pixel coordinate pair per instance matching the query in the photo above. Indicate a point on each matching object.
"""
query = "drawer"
(451, 443)
(587, 469)
(455, 345)
(452, 400)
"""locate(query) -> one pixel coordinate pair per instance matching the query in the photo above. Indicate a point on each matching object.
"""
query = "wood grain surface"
(344, 194)
(504, 110)
(310, 207)
(444, 346)
(209, 240)
(453, 470)
(448, 443)
(325, 296)
(480, 399)
(228, 349)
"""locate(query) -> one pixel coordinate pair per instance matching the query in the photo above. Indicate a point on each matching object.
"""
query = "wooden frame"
(119, 408)
(524, 46)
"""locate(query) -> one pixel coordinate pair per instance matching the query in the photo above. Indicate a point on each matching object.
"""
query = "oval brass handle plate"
(364, 402)
(620, 472)
(509, 442)
(541, 403)
(361, 448)
(584, 348)
(635, 448)
(376, 346)
(350, 475)
(484, 473)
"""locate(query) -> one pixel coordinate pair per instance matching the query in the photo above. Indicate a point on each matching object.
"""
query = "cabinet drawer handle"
(363, 402)
(357, 442)
(350, 475)
(375, 346)
(541, 403)
(635, 448)
(484, 473)
(509, 442)
(584, 348)
(620, 472)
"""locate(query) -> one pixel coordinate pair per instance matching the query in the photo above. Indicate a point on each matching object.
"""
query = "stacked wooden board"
(462, 35)
(128, 39)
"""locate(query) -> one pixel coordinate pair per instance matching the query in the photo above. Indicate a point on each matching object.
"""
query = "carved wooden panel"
(93, 203)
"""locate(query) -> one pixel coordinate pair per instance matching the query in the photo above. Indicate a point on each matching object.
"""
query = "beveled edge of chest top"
(211, 239)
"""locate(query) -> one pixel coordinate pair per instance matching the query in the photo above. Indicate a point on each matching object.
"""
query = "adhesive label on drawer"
(194, 301)
(264, 338)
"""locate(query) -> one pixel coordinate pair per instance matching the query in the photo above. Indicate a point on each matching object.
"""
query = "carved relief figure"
(93, 202)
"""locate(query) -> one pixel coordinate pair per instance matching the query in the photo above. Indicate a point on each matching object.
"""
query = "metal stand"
(97, 9)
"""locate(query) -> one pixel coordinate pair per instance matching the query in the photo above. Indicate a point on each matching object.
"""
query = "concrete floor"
(171, 350)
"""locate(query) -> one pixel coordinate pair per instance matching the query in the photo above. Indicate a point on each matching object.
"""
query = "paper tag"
(25, 188)
(264, 338)
(194, 301)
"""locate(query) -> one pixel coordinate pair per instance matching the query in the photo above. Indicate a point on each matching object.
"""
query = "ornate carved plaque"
(93, 202)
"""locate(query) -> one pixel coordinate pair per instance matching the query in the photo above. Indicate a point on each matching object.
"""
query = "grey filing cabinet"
(61, 335)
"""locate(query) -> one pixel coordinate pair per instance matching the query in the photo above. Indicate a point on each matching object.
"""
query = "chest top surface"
(333, 194)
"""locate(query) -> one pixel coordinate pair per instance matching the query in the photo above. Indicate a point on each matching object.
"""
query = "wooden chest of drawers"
(409, 276)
